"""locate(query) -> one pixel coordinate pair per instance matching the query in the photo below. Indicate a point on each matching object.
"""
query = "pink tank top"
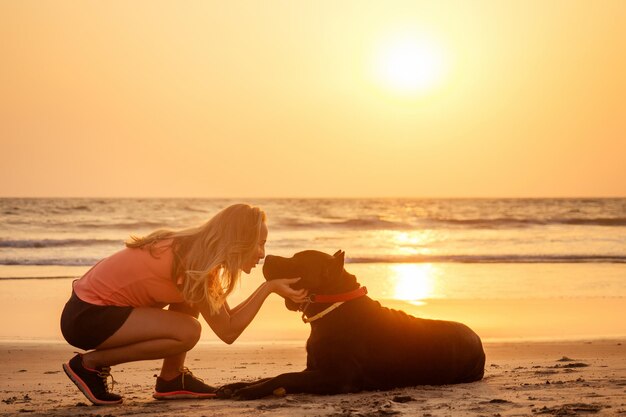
(132, 277)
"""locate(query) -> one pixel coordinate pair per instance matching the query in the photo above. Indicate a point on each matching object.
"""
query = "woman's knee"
(190, 332)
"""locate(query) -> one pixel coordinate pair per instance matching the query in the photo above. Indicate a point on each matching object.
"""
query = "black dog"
(356, 344)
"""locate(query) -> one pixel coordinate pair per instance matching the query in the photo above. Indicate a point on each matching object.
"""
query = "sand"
(522, 379)
(38, 304)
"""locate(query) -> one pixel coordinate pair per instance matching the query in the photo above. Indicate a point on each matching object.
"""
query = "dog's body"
(363, 346)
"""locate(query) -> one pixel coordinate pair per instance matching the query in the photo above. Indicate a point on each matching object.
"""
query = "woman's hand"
(283, 288)
(228, 323)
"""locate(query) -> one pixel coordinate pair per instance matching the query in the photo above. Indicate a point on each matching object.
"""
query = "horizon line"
(574, 197)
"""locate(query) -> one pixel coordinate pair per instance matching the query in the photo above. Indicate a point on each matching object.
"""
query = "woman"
(116, 309)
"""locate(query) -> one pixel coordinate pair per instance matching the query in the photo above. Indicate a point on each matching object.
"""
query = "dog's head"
(319, 272)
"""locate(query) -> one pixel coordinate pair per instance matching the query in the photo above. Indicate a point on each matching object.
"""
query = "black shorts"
(86, 325)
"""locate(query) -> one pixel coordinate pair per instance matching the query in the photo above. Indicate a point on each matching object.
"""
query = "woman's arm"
(229, 323)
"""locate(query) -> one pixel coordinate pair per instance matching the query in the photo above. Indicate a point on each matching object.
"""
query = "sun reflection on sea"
(414, 282)
(411, 243)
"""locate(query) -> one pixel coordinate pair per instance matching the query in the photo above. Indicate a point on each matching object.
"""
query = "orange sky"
(278, 99)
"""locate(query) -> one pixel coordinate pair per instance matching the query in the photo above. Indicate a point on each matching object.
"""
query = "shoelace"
(184, 372)
(105, 373)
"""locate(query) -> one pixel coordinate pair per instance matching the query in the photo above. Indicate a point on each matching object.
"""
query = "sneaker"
(184, 385)
(92, 382)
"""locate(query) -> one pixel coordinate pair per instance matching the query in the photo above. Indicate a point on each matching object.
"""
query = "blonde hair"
(211, 256)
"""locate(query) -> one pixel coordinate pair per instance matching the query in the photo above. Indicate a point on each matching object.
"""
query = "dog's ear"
(337, 263)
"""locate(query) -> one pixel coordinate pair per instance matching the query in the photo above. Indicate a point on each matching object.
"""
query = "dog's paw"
(229, 390)
(224, 393)
(246, 394)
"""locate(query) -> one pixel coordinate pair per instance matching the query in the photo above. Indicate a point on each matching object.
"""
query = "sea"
(79, 232)
(413, 250)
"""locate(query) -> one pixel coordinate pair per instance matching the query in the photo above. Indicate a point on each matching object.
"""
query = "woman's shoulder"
(164, 244)
(157, 249)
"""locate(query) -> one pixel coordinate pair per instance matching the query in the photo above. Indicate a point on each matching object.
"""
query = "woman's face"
(258, 254)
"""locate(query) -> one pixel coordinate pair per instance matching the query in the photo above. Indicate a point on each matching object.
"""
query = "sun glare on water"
(414, 282)
(410, 65)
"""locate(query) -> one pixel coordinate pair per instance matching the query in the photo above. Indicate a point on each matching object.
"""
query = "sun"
(410, 64)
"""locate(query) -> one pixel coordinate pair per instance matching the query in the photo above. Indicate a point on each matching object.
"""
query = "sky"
(312, 98)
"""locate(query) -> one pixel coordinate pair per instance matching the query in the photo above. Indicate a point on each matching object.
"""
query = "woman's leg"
(172, 364)
(147, 333)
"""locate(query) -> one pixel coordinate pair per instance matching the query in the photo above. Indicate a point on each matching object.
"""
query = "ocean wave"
(73, 224)
(49, 261)
(468, 259)
(80, 207)
(377, 223)
(39, 277)
(364, 223)
(194, 209)
(620, 221)
(133, 225)
(55, 243)
(479, 259)
(529, 222)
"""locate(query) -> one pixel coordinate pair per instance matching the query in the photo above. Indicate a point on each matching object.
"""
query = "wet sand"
(521, 379)
(38, 304)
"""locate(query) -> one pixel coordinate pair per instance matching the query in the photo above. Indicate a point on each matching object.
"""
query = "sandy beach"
(545, 356)
(39, 302)
(521, 379)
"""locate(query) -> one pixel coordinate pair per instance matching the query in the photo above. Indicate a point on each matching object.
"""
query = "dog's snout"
(277, 267)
